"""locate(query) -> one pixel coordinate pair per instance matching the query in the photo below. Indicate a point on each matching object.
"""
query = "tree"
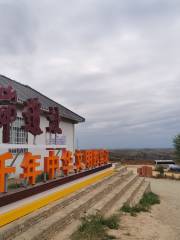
(176, 142)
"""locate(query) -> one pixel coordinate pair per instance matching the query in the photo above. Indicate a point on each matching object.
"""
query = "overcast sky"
(116, 63)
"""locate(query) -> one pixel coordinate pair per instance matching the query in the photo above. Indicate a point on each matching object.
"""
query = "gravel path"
(169, 210)
(162, 223)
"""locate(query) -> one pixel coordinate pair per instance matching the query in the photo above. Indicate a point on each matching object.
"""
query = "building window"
(18, 135)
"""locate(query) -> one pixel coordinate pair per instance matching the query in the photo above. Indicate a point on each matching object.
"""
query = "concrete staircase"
(59, 220)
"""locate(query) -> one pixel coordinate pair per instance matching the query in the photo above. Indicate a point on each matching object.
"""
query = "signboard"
(57, 140)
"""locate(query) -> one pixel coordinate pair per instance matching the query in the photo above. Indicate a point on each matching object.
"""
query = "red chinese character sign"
(78, 165)
(31, 115)
(5, 170)
(66, 159)
(87, 158)
(54, 120)
(8, 94)
(8, 99)
(29, 166)
(51, 164)
(84, 159)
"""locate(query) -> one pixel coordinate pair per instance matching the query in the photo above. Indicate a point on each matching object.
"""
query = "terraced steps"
(46, 228)
(126, 192)
(18, 227)
(145, 187)
(132, 196)
(59, 220)
(113, 196)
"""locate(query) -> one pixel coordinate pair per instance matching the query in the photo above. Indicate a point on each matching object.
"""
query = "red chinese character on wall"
(8, 94)
(103, 157)
(51, 164)
(95, 158)
(8, 112)
(4, 169)
(106, 156)
(87, 158)
(54, 120)
(78, 161)
(31, 115)
(66, 159)
(29, 165)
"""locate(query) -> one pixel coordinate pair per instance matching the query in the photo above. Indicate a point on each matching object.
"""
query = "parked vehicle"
(174, 168)
(164, 163)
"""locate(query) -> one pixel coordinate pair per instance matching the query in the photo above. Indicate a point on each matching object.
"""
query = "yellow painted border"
(19, 212)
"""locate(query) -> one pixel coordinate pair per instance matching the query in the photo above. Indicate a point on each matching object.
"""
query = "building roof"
(24, 92)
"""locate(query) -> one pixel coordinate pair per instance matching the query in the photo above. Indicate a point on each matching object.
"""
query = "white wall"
(68, 130)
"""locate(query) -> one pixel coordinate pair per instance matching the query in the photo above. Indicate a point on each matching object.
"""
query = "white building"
(19, 136)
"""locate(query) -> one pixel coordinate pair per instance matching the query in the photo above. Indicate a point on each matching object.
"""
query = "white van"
(163, 163)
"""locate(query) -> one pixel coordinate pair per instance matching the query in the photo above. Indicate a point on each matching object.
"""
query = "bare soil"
(162, 223)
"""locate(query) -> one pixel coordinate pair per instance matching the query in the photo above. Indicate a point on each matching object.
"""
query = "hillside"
(141, 154)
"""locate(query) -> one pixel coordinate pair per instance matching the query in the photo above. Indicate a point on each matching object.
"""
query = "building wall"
(68, 130)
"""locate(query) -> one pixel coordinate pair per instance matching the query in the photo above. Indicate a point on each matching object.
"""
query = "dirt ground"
(162, 223)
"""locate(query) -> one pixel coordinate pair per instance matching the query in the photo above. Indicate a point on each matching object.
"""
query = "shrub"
(133, 210)
(40, 177)
(111, 222)
(160, 169)
(14, 185)
(144, 205)
(176, 142)
(94, 227)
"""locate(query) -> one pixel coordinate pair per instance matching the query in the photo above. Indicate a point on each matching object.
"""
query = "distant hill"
(141, 154)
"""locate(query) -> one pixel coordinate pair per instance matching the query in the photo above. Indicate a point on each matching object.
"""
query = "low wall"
(10, 197)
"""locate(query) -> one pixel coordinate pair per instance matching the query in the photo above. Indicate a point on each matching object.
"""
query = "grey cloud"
(114, 62)
(17, 27)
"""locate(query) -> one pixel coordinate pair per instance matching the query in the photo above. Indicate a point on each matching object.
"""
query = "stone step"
(124, 192)
(144, 188)
(140, 188)
(114, 196)
(126, 197)
(65, 234)
(13, 229)
(136, 189)
(46, 227)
